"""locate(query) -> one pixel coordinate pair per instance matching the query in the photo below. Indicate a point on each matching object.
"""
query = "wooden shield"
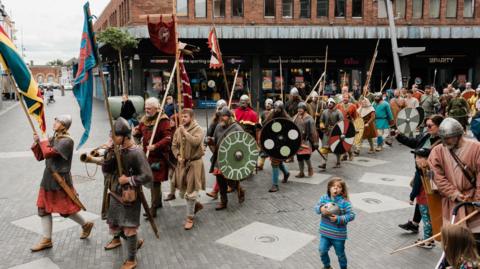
(342, 137)
(408, 120)
(280, 138)
(237, 155)
(468, 94)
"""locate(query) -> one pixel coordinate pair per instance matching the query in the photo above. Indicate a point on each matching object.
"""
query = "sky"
(50, 29)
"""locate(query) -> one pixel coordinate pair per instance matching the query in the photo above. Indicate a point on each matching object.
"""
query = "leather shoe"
(45, 243)
(86, 230)
(170, 197)
(129, 264)
(198, 207)
(113, 244)
(221, 206)
(188, 223)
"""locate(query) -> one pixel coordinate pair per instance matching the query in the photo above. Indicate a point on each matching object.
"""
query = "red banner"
(216, 59)
(186, 88)
(162, 35)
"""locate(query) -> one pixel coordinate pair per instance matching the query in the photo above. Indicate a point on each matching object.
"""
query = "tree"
(119, 40)
(55, 62)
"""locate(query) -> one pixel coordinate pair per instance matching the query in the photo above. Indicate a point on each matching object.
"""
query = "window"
(237, 8)
(322, 8)
(219, 8)
(357, 8)
(305, 9)
(182, 7)
(200, 8)
(468, 8)
(451, 9)
(269, 10)
(400, 9)
(340, 8)
(417, 9)
(287, 8)
(382, 9)
(434, 9)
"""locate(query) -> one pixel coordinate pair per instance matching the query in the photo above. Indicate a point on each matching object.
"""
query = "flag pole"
(179, 78)
(281, 78)
(223, 62)
(233, 87)
(20, 99)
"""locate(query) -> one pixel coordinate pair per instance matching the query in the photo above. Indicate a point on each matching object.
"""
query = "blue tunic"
(383, 115)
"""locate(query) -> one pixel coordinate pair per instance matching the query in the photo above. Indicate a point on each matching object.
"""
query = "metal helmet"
(65, 120)
(268, 102)
(450, 127)
(244, 100)
(331, 101)
(122, 128)
(294, 92)
(314, 94)
(278, 104)
(220, 104)
(378, 95)
(225, 111)
(302, 105)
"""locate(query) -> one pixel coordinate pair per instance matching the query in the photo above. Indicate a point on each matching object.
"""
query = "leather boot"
(45, 243)
(221, 205)
(86, 230)
(300, 175)
(129, 264)
(113, 244)
(198, 207)
(310, 172)
(188, 223)
(170, 197)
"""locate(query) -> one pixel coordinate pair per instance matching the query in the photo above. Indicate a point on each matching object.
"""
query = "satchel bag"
(129, 193)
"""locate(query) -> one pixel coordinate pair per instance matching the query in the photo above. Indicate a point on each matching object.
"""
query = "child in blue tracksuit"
(333, 227)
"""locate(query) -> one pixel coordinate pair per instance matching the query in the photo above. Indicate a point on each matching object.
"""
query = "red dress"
(162, 142)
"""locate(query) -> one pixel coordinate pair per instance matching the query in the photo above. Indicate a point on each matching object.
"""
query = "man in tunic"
(429, 102)
(52, 198)
(383, 118)
(306, 125)
(292, 103)
(189, 172)
(349, 112)
(455, 164)
(159, 150)
(458, 109)
(124, 210)
(246, 116)
(330, 117)
(227, 125)
(411, 101)
(367, 112)
(397, 103)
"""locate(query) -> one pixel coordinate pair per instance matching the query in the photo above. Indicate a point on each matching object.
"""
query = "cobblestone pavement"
(274, 230)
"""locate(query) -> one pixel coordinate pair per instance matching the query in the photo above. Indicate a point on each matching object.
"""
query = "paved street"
(268, 231)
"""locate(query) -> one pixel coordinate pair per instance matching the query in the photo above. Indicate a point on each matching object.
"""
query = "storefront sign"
(203, 61)
(298, 60)
(441, 60)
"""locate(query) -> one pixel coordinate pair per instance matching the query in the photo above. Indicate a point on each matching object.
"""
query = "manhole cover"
(372, 201)
(267, 238)
(363, 160)
(387, 179)
(81, 179)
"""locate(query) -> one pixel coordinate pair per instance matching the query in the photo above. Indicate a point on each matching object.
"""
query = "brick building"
(256, 34)
(46, 73)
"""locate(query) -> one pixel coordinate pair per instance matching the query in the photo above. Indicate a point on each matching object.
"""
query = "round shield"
(342, 137)
(408, 120)
(468, 94)
(237, 155)
(280, 138)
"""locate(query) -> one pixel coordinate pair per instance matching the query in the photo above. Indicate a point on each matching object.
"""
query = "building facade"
(262, 36)
(46, 74)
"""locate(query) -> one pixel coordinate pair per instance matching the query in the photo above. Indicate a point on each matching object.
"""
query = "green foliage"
(117, 38)
(55, 62)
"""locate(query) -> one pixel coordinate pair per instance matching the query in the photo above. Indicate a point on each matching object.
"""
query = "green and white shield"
(237, 155)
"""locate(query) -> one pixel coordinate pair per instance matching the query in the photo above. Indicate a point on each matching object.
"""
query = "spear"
(233, 87)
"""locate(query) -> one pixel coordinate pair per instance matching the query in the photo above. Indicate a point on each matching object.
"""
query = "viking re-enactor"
(455, 164)
(123, 217)
(57, 153)
(159, 150)
(189, 172)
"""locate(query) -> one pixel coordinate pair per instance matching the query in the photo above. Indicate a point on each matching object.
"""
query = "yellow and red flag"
(13, 64)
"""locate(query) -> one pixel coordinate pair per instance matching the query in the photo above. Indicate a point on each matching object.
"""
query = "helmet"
(268, 102)
(122, 128)
(65, 120)
(378, 95)
(314, 94)
(302, 105)
(450, 127)
(220, 104)
(225, 111)
(331, 100)
(244, 98)
(278, 104)
(294, 92)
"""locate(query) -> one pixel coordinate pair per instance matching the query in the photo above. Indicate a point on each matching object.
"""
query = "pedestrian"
(292, 104)
(128, 111)
(429, 102)
(52, 197)
(263, 119)
(418, 194)
(460, 248)
(411, 101)
(246, 116)
(170, 107)
(349, 111)
(189, 172)
(226, 126)
(278, 165)
(458, 109)
(329, 119)
(159, 150)
(309, 136)
(427, 140)
(123, 217)
(383, 119)
(367, 112)
(337, 212)
(454, 164)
